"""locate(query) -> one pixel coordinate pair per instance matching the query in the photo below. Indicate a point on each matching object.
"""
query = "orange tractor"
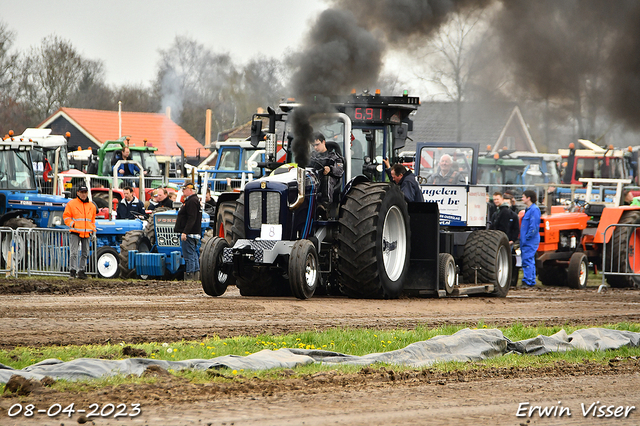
(570, 240)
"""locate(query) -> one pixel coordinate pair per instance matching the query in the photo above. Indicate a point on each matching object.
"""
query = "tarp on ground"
(465, 345)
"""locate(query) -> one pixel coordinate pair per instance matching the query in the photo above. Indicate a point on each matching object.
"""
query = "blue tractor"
(155, 250)
(21, 203)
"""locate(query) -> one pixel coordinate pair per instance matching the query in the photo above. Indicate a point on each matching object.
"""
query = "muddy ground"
(45, 311)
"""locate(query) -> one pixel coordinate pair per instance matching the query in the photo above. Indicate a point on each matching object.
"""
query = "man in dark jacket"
(162, 199)
(406, 180)
(505, 219)
(189, 226)
(330, 166)
(130, 203)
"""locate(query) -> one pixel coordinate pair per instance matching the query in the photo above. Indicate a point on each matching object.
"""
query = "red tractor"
(570, 240)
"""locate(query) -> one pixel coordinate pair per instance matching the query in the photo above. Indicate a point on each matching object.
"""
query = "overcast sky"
(127, 34)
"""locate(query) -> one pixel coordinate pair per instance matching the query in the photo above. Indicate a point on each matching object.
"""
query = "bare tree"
(8, 61)
(52, 74)
(192, 78)
(91, 91)
(449, 58)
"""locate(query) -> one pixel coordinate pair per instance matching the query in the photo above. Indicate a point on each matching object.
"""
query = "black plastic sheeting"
(465, 345)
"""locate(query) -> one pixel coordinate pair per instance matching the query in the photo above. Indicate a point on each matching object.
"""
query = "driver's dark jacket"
(336, 169)
(124, 209)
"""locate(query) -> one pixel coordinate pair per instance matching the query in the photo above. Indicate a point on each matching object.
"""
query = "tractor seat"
(334, 146)
(595, 211)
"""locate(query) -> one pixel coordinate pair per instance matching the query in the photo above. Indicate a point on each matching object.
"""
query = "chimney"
(207, 128)
(168, 112)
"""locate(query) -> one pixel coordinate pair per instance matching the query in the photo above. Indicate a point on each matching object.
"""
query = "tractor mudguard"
(610, 216)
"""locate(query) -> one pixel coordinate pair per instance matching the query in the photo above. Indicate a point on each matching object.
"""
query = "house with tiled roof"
(500, 125)
(92, 128)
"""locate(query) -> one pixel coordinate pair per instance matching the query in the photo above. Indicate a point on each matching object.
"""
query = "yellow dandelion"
(224, 343)
(201, 343)
(246, 352)
(213, 353)
(234, 372)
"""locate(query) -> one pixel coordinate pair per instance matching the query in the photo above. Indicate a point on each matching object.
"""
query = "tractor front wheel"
(578, 271)
(213, 274)
(107, 263)
(303, 269)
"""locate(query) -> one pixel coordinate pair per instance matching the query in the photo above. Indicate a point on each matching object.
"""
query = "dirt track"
(56, 312)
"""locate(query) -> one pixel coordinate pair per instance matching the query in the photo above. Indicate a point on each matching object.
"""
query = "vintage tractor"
(372, 244)
(155, 250)
(569, 240)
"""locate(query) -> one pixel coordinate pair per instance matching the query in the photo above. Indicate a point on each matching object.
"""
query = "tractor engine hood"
(20, 200)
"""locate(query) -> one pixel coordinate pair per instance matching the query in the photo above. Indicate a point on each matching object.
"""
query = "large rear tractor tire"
(213, 274)
(578, 271)
(224, 219)
(237, 225)
(621, 252)
(373, 242)
(304, 271)
(132, 240)
(107, 262)
(488, 254)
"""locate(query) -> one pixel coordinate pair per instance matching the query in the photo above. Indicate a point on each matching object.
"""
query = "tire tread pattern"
(620, 257)
(481, 251)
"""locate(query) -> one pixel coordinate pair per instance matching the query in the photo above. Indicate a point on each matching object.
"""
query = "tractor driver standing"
(529, 237)
(331, 167)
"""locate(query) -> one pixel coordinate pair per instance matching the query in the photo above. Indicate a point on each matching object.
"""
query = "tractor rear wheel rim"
(502, 276)
(394, 243)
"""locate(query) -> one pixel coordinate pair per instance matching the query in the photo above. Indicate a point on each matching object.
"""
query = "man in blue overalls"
(529, 237)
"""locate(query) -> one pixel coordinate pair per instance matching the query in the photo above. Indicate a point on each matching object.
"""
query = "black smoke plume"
(345, 48)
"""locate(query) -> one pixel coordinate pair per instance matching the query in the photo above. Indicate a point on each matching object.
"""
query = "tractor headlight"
(55, 219)
(175, 240)
(161, 240)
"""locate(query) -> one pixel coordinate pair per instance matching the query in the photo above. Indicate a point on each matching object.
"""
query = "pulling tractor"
(570, 240)
(372, 243)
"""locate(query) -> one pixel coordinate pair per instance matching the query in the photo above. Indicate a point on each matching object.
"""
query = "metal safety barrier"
(40, 251)
(626, 242)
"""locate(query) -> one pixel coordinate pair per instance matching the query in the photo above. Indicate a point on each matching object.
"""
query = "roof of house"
(157, 129)
(482, 123)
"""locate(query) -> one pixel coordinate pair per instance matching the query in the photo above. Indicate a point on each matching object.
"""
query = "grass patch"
(348, 341)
